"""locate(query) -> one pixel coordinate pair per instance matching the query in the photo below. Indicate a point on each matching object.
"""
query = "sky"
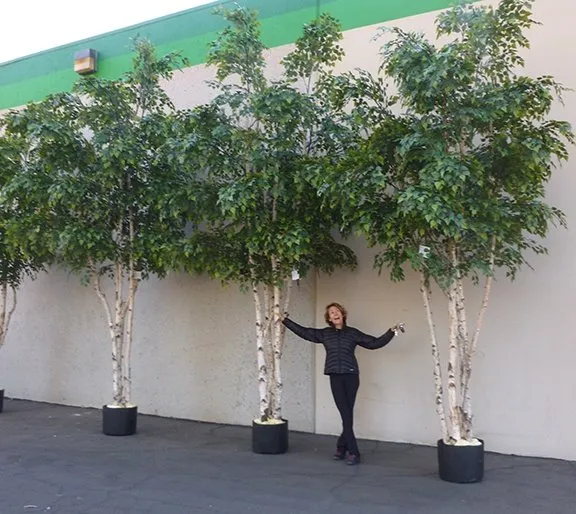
(30, 26)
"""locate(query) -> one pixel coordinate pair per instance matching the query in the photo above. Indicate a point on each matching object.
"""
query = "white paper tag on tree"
(295, 275)
(424, 251)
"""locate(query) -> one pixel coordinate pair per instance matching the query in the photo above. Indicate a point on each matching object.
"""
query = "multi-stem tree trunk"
(120, 322)
(471, 346)
(269, 303)
(457, 427)
(6, 310)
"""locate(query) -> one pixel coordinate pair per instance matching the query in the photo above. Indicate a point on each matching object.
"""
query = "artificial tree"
(93, 186)
(450, 176)
(255, 142)
(14, 265)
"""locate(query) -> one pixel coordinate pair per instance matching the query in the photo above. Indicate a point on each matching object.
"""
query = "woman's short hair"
(340, 308)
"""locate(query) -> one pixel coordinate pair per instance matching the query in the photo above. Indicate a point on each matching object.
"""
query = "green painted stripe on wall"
(33, 77)
(179, 26)
(359, 13)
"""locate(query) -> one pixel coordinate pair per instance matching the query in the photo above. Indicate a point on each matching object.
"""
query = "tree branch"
(467, 403)
(426, 296)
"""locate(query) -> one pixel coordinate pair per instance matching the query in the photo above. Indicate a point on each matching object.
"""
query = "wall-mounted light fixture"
(85, 61)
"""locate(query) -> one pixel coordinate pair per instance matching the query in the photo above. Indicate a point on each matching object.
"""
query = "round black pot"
(1, 399)
(461, 464)
(119, 420)
(271, 439)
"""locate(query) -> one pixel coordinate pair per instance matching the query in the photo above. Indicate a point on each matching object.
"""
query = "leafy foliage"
(256, 141)
(465, 159)
(14, 265)
(91, 179)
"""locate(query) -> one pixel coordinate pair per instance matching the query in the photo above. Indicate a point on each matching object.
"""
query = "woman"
(341, 366)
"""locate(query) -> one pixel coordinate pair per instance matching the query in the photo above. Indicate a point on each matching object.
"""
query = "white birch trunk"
(267, 294)
(285, 307)
(129, 334)
(268, 314)
(425, 290)
(467, 399)
(277, 353)
(128, 320)
(6, 311)
(463, 341)
(118, 342)
(115, 321)
(452, 385)
(261, 356)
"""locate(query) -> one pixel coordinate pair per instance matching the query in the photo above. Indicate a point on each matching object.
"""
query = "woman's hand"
(399, 328)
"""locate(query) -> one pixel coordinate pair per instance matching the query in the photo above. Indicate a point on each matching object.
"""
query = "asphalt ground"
(55, 459)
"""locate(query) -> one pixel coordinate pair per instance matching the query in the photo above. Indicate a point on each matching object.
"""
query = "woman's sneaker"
(339, 455)
(353, 460)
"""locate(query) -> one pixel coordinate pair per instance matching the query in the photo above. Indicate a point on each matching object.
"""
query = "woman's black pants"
(344, 388)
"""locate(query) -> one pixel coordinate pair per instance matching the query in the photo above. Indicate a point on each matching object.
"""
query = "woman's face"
(335, 316)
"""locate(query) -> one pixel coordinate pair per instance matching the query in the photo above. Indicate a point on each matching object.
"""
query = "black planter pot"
(270, 439)
(1, 399)
(461, 464)
(119, 420)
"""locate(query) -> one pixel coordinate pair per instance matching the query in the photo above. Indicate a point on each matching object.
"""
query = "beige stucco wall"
(194, 353)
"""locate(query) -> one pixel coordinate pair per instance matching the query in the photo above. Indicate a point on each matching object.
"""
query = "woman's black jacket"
(340, 345)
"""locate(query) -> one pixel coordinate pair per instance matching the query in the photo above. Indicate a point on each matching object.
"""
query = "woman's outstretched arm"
(310, 334)
(373, 343)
